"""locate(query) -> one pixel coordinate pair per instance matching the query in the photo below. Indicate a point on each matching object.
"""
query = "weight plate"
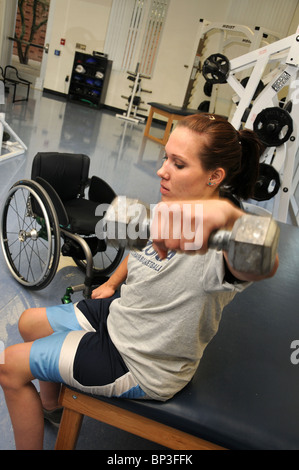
(274, 126)
(216, 68)
(268, 183)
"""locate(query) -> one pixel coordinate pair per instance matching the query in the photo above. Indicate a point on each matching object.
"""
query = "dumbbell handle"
(219, 240)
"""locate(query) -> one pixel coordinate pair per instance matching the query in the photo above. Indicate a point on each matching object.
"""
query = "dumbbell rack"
(134, 100)
(13, 148)
(89, 79)
(283, 157)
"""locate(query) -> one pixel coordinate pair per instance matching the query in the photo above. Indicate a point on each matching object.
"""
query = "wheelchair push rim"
(30, 235)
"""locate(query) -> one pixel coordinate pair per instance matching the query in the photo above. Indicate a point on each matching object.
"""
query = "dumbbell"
(251, 246)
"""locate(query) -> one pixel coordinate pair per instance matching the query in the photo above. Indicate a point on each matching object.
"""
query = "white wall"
(295, 21)
(7, 26)
(86, 22)
(2, 17)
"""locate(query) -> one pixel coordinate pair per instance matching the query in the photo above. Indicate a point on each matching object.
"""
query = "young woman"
(147, 342)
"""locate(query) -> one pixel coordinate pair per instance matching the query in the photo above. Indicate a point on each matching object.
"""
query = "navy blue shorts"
(80, 352)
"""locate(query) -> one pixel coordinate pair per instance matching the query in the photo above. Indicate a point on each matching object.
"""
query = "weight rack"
(134, 100)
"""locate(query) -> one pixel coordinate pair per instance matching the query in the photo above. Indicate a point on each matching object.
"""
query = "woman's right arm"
(116, 279)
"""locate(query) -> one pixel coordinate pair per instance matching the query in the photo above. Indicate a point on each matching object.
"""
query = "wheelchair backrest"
(66, 172)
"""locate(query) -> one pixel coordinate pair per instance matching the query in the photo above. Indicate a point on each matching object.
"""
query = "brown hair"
(237, 152)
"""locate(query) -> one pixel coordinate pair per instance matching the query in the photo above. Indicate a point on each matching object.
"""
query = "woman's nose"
(162, 172)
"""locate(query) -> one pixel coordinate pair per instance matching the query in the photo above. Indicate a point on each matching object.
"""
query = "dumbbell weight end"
(252, 244)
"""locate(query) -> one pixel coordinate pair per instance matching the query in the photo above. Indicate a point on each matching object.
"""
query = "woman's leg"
(21, 397)
(37, 357)
(34, 324)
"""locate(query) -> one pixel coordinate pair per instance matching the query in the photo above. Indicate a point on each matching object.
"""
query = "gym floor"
(120, 155)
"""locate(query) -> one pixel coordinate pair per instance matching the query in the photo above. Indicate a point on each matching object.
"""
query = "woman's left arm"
(204, 217)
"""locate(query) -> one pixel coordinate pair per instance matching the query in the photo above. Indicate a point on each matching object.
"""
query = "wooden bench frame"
(171, 116)
(76, 405)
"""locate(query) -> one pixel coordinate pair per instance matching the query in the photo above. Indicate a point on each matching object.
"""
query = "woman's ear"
(217, 176)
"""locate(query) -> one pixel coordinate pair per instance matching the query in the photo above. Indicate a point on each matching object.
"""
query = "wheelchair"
(53, 213)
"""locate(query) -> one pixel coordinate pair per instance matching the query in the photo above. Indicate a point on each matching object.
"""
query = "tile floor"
(121, 156)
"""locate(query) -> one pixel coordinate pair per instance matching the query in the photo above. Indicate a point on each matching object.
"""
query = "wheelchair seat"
(81, 213)
(53, 205)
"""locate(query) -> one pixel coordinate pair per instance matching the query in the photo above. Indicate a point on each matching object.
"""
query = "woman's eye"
(179, 166)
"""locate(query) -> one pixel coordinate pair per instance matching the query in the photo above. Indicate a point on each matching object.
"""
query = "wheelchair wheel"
(30, 235)
(104, 262)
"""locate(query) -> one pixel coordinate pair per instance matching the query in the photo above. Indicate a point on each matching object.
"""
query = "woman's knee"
(33, 324)
(26, 323)
(15, 368)
(6, 369)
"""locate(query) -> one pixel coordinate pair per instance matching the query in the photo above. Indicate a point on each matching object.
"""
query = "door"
(31, 39)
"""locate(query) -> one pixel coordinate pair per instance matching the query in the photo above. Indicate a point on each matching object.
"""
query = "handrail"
(21, 41)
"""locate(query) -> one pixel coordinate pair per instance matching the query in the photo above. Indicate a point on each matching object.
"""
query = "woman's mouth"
(163, 189)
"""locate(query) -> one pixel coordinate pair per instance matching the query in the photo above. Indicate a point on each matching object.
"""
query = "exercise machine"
(226, 35)
(272, 111)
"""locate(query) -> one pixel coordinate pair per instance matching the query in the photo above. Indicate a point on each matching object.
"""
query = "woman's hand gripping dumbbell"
(250, 243)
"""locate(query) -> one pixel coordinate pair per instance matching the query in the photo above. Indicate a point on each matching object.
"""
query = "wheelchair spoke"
(21, 220)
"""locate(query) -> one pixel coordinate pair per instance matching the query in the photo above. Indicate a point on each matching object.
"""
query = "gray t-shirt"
(169, 310)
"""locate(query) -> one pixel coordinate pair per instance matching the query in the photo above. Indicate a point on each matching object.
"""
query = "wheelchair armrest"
(100, 191)
(59, 207)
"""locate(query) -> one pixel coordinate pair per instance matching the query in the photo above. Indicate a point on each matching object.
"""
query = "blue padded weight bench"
(245, 393)
(173, 113)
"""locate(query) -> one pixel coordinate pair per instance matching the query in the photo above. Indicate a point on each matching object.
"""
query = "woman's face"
(182, 175)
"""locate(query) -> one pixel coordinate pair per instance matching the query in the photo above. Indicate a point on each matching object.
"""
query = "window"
(152, 34)
(134, 32)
